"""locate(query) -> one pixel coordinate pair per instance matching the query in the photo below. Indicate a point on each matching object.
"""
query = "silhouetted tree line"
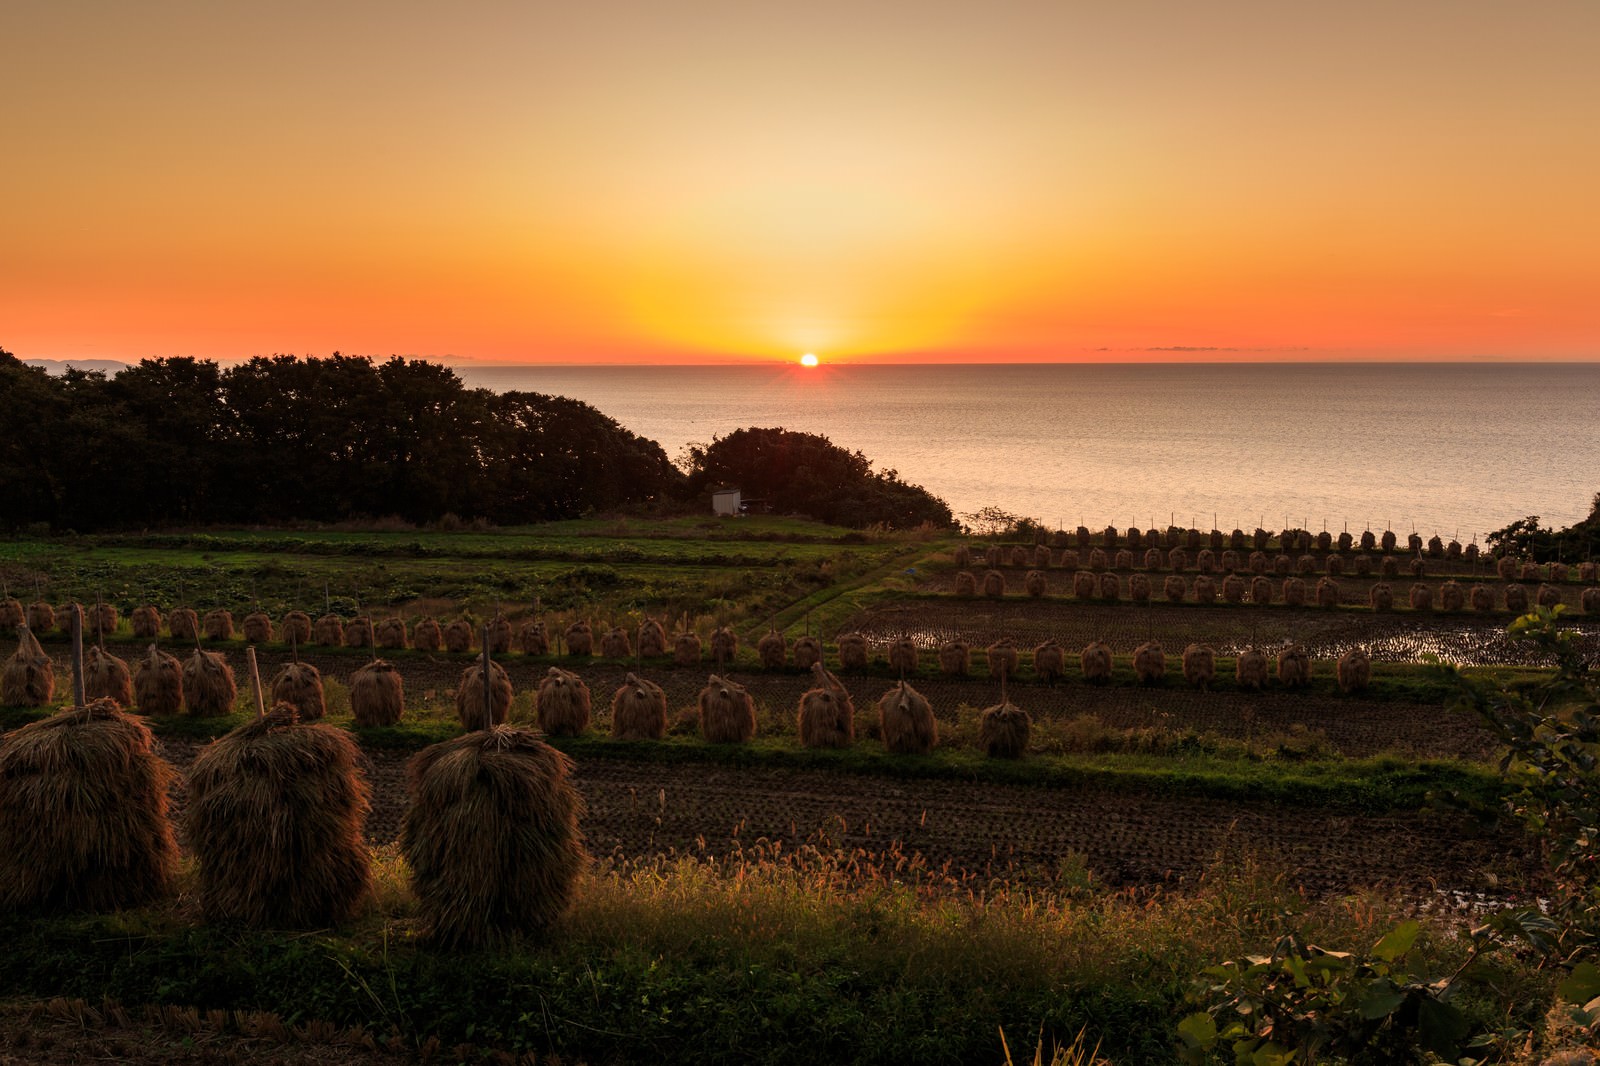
(1527, 538)
(173, 442)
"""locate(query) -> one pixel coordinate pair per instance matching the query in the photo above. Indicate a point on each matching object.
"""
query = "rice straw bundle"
(1306, 564)
(106, 677)
(146, 622)
(1416, 565)
(1124, 560)
(954, 659)
(427, 635)
(1587, 572)
(1139, 588)
(807, 652)
(1206, 561)
(638, 710)
(1174, 587)
(686, 648)
(299, 685)
(1481, 598)
(377, 695)
(1150, 662)
(1082, 535)
(1083, 585)
(1589, 601)
(257, 627)
(1261, 590)
(906, 722)
(158, 683)
(1178, 559)
(470, 697)
(1258, 562)
(1451, 597)
(327, 630)
(1019, 556)
(1548, 596)
(1095, 661)
(295, 628)
(727, 713)
(533, 639)
(966, 585)
(1414, 544)
(1354, 671)
(390, 633)
(652, 639)
(852, 651)
(1558, 574)
(1282, 565)
(904, 656)
(1041, 558)
(1436, 547)
(458, 637)
(1453, 550)
(1236, 540)
(1328, 592)
(183, 624)
(208, 685)
(579, 638)
(1098, 560)
(1260, 539)
(1250, 670)
(1294, 592)
(1153, 559)
(772, 650)
(1294, 667)
(1230, 561)
(994, 556)
(1516, 599)
(1109, 537)
(562, 703)
(101, 620)
(1335, 565)
(994, 584)
(11, 614)
(1002, 658)
(1506, 568)
(1205, 589)
(1363, 565)
(1199, 665)
(1232, 588)
(29, 677)
(826, 715)
(1110, 586)
(1050, 662)
(217, 624)
(1324, 540)
(1036, 585)
(1069, 560)
(1345, 542)
(615, 644)
(724, 644)
(498, 634)
(358, 632)
(1470, 553)
(1389, 566)
(1387, 540)
(1003, 730)
(41, 617)
(962, 557)
(1368, 541)
(1381, 598)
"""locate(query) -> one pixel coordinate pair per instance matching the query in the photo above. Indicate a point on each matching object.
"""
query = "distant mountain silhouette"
(60, 366)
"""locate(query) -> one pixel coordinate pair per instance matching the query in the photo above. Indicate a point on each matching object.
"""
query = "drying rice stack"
(1389, 566)
(807, 652)
(1481, 598)
(1236, 540)
(1306, 564)
(217, 624)
(727, 713)
(498, 632)
(1328, 593)
(101, 619)
(358, 632)
(1324, 540)
(1250, 670)
(1232, 588)
(1381, 598)
(1041, 558)
(1095, 661)
(208, 685)
(1516, 599)
(183, 624)
(994, 584)
(962, 557)
(1153, 559)
(1335, 565)
(562, 703)
(1199, 665)
(1109, 537)
(41, 617)
(904, 657)
(994, 555)
(906, 722)
(146, 622)
(1035, 584)
(158, 683)
(1098, 560)
(1069, 560)
(1260, 539)
(826, 716)
(1363, 565)
(1191, 537)
(1206, 561)
(638, 710)
(1002, 658)
(1587, 572)
(1282, 565)
(1548, 596)
(532, 638)
(1471, 552)
(1150, 662)
(390, 633)
(1368, 541)
(1174, 588)
(11, 613)
(1059, 539)
(652, 639)
(1590, 601)
(295, 628)
(1230, 561)
(1354, 671)
(29, 678)
(1453, 550)
(966, 585)
(1019, 556)
(1110, 586)
(299, 685)
(615, 644)
(1261, 590)
(1003, 730)
(1082, 535)
(1178, 559)
(1436, 546)
(1506, 568)
(1050, 661)
(1258, 562)
(954, 659)
(724, 644)
(1421, 597)
(686, 648)
(458, 637)
(257, 627)
(1417, 566)
(377, 694)
(1294, 591)
(1388, 540)
(83, 814)
(1345, 541)
(106, 677)
(1124, 560)
(470, 697)
(1135, 538)
(1205, 589)
(852, 651)
(1414, 543)
(1083, 585)
(1294, 666)
(274, 816)
(327, 630)
(1451, 598)
(492, 837)
(1558, 574)
(579, 638)
(1139, 588)
(427, 635)
(772, 649)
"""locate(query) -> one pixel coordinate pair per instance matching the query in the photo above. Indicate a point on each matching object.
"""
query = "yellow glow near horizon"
(808, 360)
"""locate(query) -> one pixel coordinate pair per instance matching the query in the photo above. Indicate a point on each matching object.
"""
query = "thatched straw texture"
(652, 639)
(1205, 589)
(1191, 537)
(994, 555)
(1150, 662)
(1335, 565)
(1041, 558)
(469, 696)
(1230, 561)
(954, 659)
(1110, 586)
(807, 652)
(1098, 560)
(962, 557)
(1095, 660)
(686, 649)
(145, 622)
(904, 656)
(1236, 540)
(1109, 537)
(41, 617)
(295, 628)
(1206, 561)
(1020, 556)
(1294, 666)
(83, 814)
(1174, 588)
(459, 633)
(390, 633)
(1081, 534)
(724, 644)
(274, 818)
(1589, 600)
(1516, 597)
(562, 703)
(1306, 564)
(299, 685)
(994, 584)
(101, 618)
(1036, 584)
(1260, 539)
(358, 632)
(638, 710)
(1139, 588)
(1199, 665)
(966, 585)
(1451, 596)
(327, 630)
(492, 837)
(1084, 585)
(106, 677)
(208, 685)
(852, 651)
(1153, 559)
(1250, 669)
(579, 638)
(1389, 566)
(1050, 661)
(499, 630)
(1354, 671)
(11, 613)
(377, 694)
(1324, 540)
(1135, 539)
(1549, 596)
(1233, 588)
(1059, 539)
(727, 713)
(1261, 590)
(1416, 566)
(1345, 542)
(1003, 730)
(1328, 592)
(1368, 541)
(772, 650)
(1123, 560)
(1481, 598)
(1001, 657)
(1294, 591)
(1505, 568)
(257, 627)
(615, 644)
(1387, 540)
(1471, 552)
(1363, 565)
(217, 624)
(1282, 565)
(1453, 550)
(826, 715)
(427, 635)
(158, 683)
(1414, 543)
(532, 638)
(906, 722)
(1178, 559)
(29, 677)
(1258, 562)
(1558, 574)
(183, 624)
(1069, 559)
(1381, 598)
(1587, 572)
(1436, 546)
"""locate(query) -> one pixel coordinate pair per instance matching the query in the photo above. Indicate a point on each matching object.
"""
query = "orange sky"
(686, 181)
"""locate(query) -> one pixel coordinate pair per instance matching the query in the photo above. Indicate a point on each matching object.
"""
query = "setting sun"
(808, 360)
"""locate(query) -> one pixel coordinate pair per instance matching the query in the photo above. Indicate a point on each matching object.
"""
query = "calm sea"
(1453, 449)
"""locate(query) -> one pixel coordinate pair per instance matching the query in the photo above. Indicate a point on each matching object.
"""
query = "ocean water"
(1456, 449)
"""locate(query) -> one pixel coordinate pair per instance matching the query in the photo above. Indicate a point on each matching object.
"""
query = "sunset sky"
(695, 182)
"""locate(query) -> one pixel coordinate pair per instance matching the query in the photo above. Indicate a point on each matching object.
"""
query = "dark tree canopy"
(808, 474)
(1527, 538)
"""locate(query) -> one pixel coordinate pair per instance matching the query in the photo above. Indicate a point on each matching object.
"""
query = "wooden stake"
(78, 699)
(255, 682)
(488, 700)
